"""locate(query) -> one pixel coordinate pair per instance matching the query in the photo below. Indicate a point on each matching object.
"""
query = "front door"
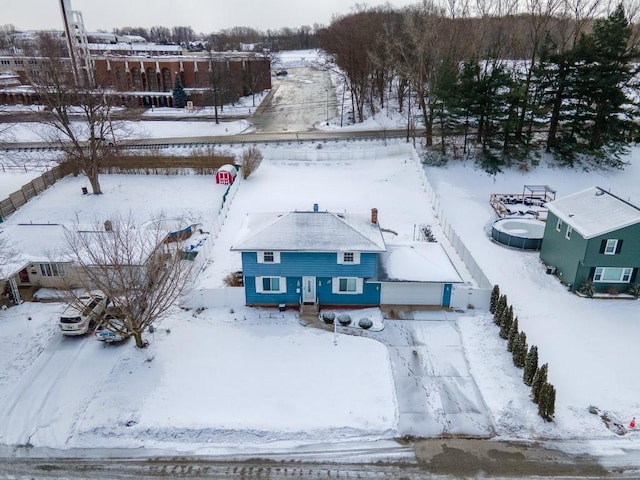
(308, 289)
(24, 277)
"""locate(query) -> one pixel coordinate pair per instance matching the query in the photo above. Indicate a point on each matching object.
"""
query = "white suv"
(77, 317)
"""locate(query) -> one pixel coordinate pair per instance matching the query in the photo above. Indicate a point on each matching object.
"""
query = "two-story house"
(593, 236)
(310, 257)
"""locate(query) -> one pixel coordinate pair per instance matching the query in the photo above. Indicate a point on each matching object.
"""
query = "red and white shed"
(226, 174)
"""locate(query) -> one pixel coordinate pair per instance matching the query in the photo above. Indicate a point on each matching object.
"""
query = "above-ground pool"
(522, 233)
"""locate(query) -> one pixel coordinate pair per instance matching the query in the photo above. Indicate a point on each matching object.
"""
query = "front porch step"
(309, 308)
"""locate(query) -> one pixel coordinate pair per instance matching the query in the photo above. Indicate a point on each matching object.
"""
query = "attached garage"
(415, 293)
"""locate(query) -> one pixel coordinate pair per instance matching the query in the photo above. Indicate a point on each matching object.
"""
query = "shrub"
(513, 335)
(234, 279)
(251, 160)
(365, 323)
(328, 317)
(587, 289)
(520, 350)
(344, 319)
(547, 403)
(634, 290)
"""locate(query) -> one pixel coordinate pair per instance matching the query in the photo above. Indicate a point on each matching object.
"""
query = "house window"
(268, 257)
(559, 225)
(271, 285)
(347, 285)
(52, 270)
(569, 232)
(612, 275)
(349, 258)
(611, 247)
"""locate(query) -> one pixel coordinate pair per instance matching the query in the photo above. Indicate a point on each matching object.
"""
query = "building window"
(347, 285)
(5, 62)
(612, 275)
(559, 225)
(268, 257)
(611, 247)
(52, 270)
(349, 258)
(271, 285)
(569, 232)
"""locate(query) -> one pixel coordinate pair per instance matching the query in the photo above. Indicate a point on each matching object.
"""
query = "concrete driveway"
(435, 391)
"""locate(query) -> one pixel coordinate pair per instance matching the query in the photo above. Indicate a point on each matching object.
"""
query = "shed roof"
(594, 211)
(309, 231)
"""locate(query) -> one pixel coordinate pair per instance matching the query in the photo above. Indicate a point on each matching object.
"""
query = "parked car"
(82, 313)
(111, 330)
(282, 73)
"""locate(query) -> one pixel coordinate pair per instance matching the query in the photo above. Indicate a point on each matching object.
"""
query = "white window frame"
(559, 225)
(282, 284)
(267, 253)
(52, 270)
(611, 247)
(335, 286)
(568, 233)
(343, 255)
(624, 277)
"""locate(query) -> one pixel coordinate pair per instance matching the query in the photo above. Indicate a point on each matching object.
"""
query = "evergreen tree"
(592, 113)
(179, 95)
(506, 322)
(500, 308)
(520, 350)
(539, 379)
(495, 295)
(513, 335)
(530, 366)
(547, 402)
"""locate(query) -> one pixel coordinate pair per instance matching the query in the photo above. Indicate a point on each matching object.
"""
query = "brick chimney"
(374, 216)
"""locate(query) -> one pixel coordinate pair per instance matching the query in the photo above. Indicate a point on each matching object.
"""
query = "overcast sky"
(203, 15)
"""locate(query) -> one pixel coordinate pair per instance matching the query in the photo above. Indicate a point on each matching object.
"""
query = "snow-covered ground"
(235, 372)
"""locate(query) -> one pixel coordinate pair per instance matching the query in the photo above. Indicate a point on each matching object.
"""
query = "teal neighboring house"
(593, 236)
(310, 257)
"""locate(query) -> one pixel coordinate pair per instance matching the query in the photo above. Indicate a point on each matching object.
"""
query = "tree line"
(502, 85)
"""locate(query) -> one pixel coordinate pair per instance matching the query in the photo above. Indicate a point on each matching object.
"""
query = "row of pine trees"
(542, 392)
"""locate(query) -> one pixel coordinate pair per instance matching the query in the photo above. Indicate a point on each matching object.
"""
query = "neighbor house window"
(269, 257)
(349, 258)
(611, 247)
(271, 285)
(612, 275)
(52, 270)
(352, 285)
(559, 225)
(569, 232)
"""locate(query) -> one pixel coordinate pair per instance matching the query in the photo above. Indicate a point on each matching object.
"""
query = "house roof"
(417, 262)
(309, 231)
(594, 211)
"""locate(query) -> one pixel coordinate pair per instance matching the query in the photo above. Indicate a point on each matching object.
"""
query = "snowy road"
(300, 100)
(436, 393)
(45, 404)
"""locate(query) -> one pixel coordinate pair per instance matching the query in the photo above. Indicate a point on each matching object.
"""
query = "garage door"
(411, 293)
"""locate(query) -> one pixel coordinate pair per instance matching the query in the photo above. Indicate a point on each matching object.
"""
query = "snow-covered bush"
(328, 317)
(365, 323)
(344, 319)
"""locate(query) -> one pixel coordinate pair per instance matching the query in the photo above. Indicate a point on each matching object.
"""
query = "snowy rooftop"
(417, 262)
(310, 231)
(594, 212)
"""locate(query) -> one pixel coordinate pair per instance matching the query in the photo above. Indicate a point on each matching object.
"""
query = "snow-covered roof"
(228, 168)
(417, 262)
(594, 211)
(309, 231)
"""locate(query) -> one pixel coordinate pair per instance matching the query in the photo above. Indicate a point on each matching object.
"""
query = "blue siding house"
(310, 257)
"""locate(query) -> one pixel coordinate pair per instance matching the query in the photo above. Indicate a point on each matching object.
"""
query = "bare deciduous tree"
(251, 160)
(141, 270)
(79, 115)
